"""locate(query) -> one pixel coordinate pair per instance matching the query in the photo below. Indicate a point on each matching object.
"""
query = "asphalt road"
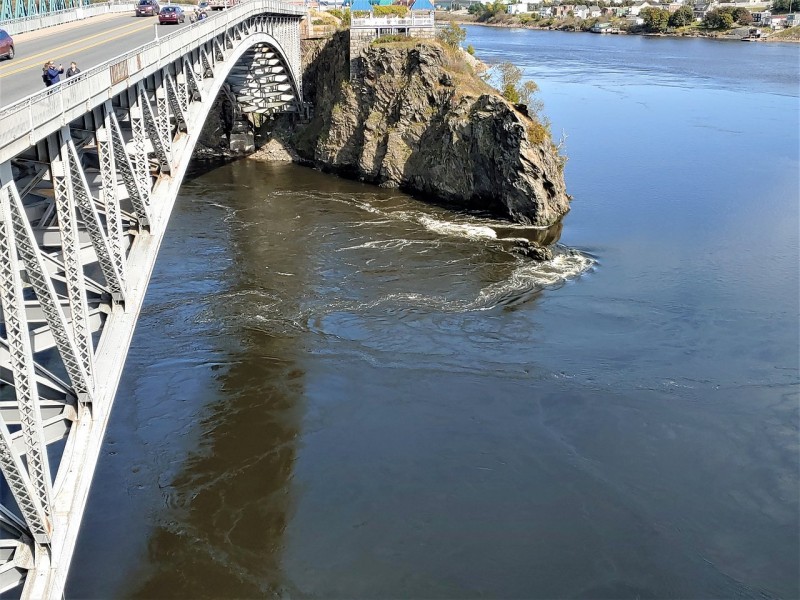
(87, 42)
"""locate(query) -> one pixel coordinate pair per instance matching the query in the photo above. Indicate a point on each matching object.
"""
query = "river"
(339, 391)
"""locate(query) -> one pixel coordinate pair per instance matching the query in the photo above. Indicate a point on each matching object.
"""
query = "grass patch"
(396, 41)
(793, 33)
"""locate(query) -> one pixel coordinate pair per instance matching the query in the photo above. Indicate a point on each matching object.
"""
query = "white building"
(638, 7)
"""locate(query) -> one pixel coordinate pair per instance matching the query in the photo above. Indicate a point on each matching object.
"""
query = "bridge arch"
(89, 173)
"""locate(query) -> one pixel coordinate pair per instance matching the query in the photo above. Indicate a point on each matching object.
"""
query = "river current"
(339, 391)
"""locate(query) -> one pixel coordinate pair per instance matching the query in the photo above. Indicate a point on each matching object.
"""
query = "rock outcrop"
(415, 116)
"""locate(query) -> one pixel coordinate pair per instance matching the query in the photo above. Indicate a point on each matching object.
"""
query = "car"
(6, 45)
(171, 14)
(147, 8)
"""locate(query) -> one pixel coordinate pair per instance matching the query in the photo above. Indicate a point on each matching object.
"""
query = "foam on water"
(468, 230)
(530, 277)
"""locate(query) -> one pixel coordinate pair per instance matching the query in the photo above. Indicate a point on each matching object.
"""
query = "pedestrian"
(50, 73)
(73, 69)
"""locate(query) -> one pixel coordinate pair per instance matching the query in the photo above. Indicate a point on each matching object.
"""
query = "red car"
(147, 8)
(171, 14)
(6, 44)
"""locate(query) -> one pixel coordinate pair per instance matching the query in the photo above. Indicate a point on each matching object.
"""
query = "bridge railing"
(34, 22)
(412, 21)
(30, 119)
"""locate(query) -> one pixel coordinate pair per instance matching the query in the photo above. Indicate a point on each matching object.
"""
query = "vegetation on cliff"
(415, 115)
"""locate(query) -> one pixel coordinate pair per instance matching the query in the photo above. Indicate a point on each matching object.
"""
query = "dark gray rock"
(416, 117)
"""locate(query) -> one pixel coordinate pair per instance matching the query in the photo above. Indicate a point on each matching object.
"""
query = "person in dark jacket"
(73, 69)
(50, 73)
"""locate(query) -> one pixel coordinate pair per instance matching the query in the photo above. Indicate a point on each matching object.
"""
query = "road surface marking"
(60, 48)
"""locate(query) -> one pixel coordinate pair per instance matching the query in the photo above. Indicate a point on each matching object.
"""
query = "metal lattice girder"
(91, 220)
(183, 90)
(22, 489)
(191, 80)
(138, 194)
(22, 363)
(73, 269)
(33, 8)
(219, 53)
(6, 14)
(163, 114)
(140, 160)
(208, 69)
(31, 488)
(46, 296)
(173, 98)
(109, 195)
(151, 127)
(19, 11)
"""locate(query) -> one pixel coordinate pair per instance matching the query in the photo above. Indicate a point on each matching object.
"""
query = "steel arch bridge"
(89, 172)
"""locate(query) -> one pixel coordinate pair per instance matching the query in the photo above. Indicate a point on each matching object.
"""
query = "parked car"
(171, 14)
(6, 44)
(147, 8)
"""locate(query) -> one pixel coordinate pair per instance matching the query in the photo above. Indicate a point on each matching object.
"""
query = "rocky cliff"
(415, 116)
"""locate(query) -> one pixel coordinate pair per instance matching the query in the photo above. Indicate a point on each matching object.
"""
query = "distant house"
(545, 12)
(634, 20)
(594, 12)
(517, 9)
(792, 19)
(580, 11)
(638, 7)
(562, 10)
(701, 10)
(774, 21)
(760, 16)
(673, 6)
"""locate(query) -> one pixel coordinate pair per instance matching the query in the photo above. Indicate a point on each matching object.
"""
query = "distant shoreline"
(468, 20)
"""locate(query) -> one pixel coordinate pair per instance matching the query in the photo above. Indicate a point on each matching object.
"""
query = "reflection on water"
(232, 500)
(339, 391)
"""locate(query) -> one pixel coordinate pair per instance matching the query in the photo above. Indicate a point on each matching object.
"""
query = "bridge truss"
(89, 172)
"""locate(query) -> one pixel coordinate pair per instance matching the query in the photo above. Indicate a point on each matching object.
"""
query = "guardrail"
(34, 22)
(31, 118)
(372, 22)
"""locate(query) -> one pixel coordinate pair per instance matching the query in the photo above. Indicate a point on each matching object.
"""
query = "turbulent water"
(340, 391)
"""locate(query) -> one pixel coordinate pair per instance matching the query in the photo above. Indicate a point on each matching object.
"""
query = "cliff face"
(418, 119)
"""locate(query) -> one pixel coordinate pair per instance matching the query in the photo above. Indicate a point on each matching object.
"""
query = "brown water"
(339, 391)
